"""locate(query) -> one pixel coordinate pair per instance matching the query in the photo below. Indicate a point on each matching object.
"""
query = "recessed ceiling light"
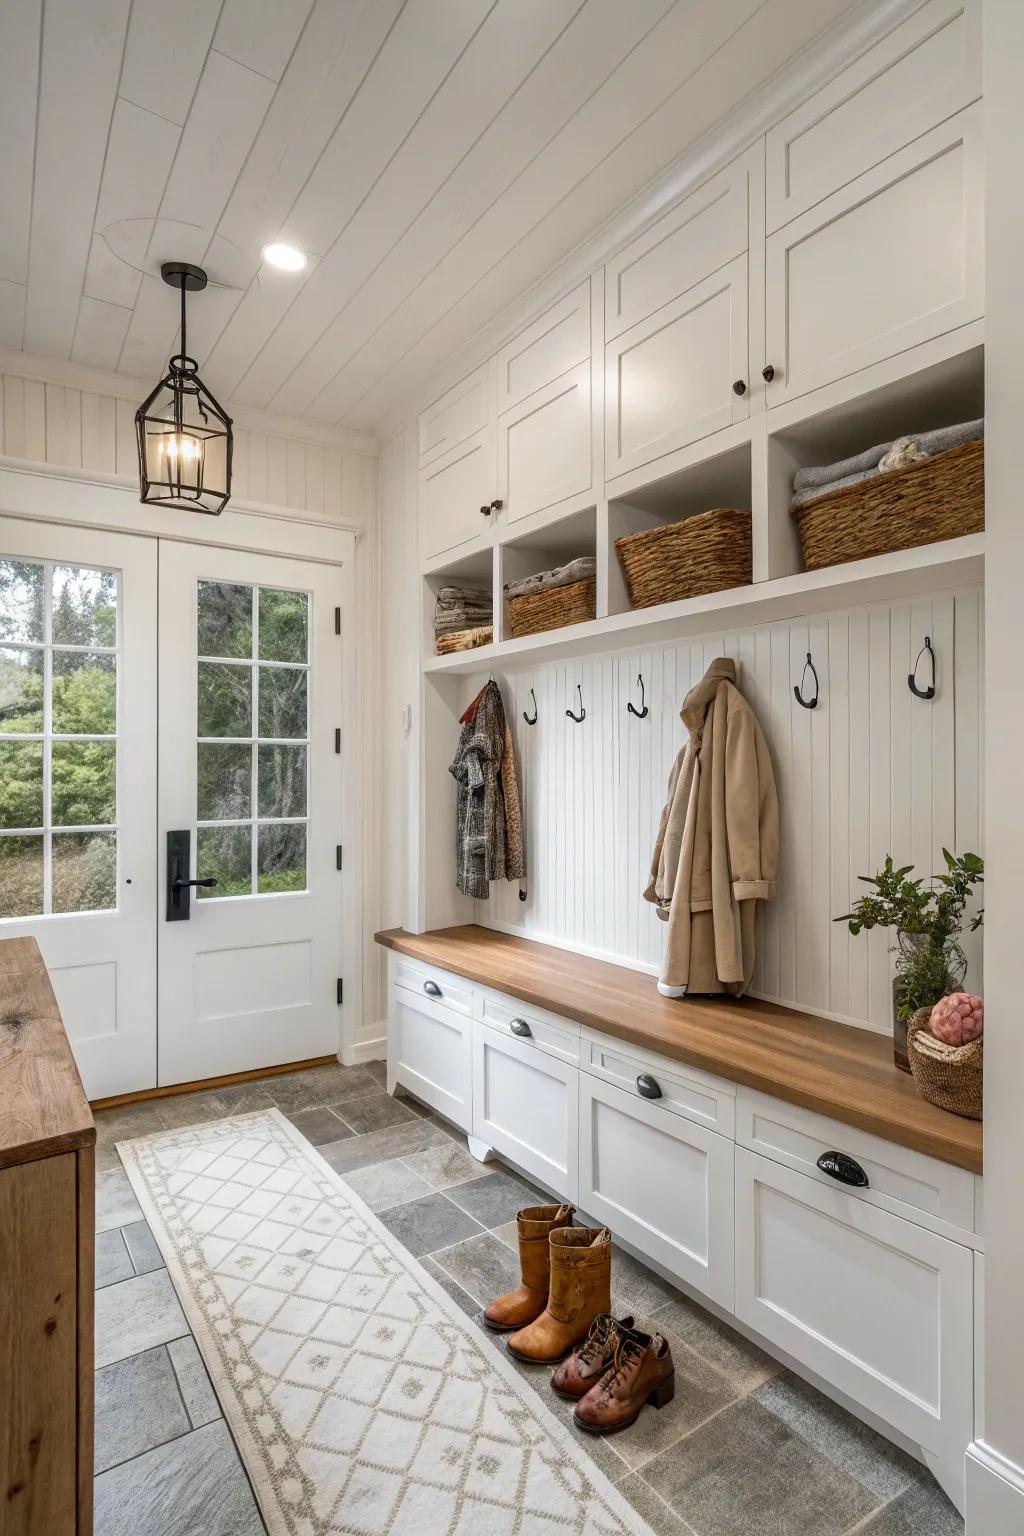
(285, 256)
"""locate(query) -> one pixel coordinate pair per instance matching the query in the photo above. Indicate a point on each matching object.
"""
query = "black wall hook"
(526, 717)
(929, 692)
(797, 691)
(643, 711)
(582, 714)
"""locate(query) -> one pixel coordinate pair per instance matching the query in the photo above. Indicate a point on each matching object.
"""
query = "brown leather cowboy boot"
(530, 1297)
(581, 1275)
(587, 1364)
(641, 1372)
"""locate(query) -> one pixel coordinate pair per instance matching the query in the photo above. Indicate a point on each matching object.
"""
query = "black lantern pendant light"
(184, 436)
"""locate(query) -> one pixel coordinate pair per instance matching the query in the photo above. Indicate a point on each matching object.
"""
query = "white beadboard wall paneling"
(870, 771)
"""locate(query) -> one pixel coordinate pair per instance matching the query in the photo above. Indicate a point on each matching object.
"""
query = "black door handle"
(520, 1027)
(432, 989)
(846, 1170)
(648, 1087)
(180, 885)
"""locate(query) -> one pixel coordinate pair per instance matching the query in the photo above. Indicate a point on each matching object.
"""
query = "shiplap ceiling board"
(434, 158)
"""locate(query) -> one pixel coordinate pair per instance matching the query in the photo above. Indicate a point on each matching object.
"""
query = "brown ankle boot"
(587, 1364)
(581, 1274)
(530, 1297)
(641, 1372)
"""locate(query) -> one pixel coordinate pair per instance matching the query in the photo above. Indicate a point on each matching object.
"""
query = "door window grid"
(255, 742)
(47, 738)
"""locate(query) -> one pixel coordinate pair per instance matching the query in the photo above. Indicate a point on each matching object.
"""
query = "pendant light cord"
(184, 341)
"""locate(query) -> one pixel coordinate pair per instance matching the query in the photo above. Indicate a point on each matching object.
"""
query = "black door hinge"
(341, 987)
(338, 855)
(337, 621)
(337, 738)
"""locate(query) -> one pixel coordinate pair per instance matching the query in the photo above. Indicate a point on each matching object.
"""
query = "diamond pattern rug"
(361, 1399)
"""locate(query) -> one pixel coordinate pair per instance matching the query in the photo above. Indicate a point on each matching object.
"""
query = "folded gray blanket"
(861, 465)
(461, 608)
(561, 576)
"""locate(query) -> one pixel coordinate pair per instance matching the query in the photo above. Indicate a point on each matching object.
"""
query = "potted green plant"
(928, 916)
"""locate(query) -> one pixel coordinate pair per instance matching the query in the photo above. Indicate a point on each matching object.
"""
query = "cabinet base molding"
(995, 1492)
(480, 1150)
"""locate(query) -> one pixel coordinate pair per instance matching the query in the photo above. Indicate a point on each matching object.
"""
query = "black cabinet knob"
(520, 1027)
(768, 373)
(844, 1169)
(740, 387)
(485, 511)
(497, 505)
(648, 1087)
(432, 989)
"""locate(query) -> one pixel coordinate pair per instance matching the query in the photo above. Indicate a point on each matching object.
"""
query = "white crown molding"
(792, 85)
(49, 370)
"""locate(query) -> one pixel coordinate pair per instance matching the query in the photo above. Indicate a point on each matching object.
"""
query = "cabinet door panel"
(461, 411)
(549, 347)
(891, 261)
(452, 490)
(525, 1105)
(877, 1305)
(430, 1053)
(669, 380)
(662, 1183)
(545, 446)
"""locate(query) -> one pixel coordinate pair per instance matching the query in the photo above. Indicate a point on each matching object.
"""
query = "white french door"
(78, 864)
(250, 775)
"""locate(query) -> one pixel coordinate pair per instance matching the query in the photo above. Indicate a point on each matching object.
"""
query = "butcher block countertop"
(43, 1108)
(833, 1069)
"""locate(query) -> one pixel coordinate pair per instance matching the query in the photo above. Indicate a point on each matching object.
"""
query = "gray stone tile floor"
(745, 1449)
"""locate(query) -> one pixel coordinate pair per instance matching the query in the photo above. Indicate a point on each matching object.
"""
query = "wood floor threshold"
(256, 1075)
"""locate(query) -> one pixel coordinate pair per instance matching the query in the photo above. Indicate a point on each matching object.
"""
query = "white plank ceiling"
(434, 157)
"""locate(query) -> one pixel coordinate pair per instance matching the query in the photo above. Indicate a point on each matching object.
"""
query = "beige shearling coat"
(717, 848)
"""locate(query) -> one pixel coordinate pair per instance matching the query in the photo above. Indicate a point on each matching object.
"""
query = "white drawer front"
(463, 410)
(661, 1183)
(546, 349)
(696, 1095)
(923, 72)
(878, 1306)
(429, 1052)
(555, 1036)
(525, 1105)
(922, 1189)
(438, 986)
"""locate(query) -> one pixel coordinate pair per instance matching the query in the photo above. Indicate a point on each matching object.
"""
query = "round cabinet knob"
(432, 989)
(740, 387)
(520, 1027)
(648, 1087)
(497, 505)
(768, 373)
(844, 1169)
(485, 511)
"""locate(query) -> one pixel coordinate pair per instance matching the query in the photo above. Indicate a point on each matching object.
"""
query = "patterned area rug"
(362, 1400)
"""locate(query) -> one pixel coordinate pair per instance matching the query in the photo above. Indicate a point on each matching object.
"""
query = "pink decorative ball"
(958, 1018)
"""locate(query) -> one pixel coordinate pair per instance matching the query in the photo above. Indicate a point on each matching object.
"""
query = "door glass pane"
(21, 784)
(225, 700)
(225, 620)
(83, 784)
(22, 584)
(282, 702)
(281, 859)
(84, 606)
(281, 781)
(21, 876)
(283, 625)
(224, 782)
(225, 853)
(21, 689)
(84, 871)
(84, 694)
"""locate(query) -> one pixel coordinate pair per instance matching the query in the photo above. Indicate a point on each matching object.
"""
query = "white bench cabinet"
(525, 1102)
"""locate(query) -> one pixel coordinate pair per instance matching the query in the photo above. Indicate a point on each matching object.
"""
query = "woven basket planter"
(535, 612)
(939, 498)
(464, 639)
(701, 554)
(947, 1075)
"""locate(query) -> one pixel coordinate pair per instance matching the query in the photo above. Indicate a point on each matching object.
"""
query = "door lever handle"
(179, 885)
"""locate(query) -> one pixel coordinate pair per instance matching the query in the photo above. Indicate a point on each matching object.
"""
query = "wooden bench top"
(833, 1069)
(43, 1108)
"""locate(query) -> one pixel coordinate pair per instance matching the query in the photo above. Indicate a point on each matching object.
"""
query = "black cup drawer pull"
(432, 989)
(843, 1168)
(520, 1027)
(648, 1087)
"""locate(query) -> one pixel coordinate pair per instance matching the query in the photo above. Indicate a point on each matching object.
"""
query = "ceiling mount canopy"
(184, 436)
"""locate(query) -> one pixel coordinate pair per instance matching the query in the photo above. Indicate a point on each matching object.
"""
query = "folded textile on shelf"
(822, 479)
(464, 639)
(461, 608)
(562, 576)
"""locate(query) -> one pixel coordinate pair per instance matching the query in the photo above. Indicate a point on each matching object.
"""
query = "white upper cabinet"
(923, 72)
(549, 347)
(456, 491)
(892, 259)
(465, 409)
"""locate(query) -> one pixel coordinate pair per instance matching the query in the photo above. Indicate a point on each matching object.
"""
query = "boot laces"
(596, 1342)
(625, 1353)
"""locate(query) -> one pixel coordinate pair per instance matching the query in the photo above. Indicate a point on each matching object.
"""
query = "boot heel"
(663, 1393)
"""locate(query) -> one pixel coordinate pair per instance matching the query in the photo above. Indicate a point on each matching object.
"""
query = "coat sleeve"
(751, 808)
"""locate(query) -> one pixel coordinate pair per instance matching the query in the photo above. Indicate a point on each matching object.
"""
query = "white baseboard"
(374, 1048)
(995, 1493)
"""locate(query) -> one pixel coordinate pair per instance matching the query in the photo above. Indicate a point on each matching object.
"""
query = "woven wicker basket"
(939, 498)
(701, 554)
(537, 611)
(947, 1075)
(464, 639)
